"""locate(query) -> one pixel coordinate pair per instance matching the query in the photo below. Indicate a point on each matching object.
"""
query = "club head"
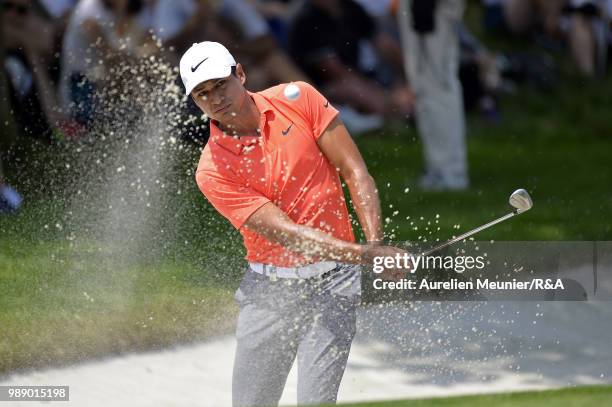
(521, 200)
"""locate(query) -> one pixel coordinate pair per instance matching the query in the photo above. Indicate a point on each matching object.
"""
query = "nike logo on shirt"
(326, 104)
(285, 132)
(193, 68)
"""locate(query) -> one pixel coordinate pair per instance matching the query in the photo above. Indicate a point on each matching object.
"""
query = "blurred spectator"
(58, 9)
(56, 14)
(384, 12)
(480, 74)
(180, 23)
(256, 46)
(589, 23)
(522, 16)
(234, 23)
(430, 40)
(377, 9)
(29, 48)
(584, 23)
(278, 14)
(340, 46)
(101, 34)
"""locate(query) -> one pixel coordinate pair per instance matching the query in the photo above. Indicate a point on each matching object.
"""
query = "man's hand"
(389, 274)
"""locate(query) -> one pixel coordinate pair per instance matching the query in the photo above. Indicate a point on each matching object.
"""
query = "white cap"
(204, 61)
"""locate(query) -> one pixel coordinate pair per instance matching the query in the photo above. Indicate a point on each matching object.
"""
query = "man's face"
(221, 99)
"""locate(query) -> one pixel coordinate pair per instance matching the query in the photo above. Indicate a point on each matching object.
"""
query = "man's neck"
(246, 121)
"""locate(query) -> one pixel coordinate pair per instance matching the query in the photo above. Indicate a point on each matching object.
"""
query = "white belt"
(308, 271)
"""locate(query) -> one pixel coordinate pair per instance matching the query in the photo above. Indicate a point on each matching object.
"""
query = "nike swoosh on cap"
(194, 68)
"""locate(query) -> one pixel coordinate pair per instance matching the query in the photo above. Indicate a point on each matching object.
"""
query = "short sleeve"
(317, 109)
(231, 199)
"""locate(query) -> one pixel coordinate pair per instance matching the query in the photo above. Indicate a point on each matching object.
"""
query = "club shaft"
(468, 234)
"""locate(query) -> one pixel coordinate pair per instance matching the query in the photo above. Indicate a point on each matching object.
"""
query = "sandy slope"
(429, 349)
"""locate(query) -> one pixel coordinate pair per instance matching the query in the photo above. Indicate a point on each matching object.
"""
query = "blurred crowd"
(372, 58)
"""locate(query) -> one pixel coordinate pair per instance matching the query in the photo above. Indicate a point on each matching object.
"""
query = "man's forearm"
(277, 227)
(315, 244)
(367, 205)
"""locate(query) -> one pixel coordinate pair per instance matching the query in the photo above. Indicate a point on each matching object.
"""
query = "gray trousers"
(312, 319)
(432, 63)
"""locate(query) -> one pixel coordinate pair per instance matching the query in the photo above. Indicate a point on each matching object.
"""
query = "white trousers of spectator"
(311, 319)
(432, 63)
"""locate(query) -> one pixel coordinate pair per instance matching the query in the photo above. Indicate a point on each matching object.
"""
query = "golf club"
(519, 199)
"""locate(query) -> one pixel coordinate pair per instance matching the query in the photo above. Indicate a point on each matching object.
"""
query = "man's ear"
(240, 73)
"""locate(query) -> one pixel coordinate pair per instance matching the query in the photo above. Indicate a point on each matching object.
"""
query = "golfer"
(272, 167)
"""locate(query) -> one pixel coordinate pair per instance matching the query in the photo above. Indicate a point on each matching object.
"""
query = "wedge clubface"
(520, 201)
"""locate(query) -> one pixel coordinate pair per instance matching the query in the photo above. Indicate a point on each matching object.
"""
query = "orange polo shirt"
(283, 165)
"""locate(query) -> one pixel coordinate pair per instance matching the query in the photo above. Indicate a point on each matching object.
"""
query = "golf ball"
(292, 91)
